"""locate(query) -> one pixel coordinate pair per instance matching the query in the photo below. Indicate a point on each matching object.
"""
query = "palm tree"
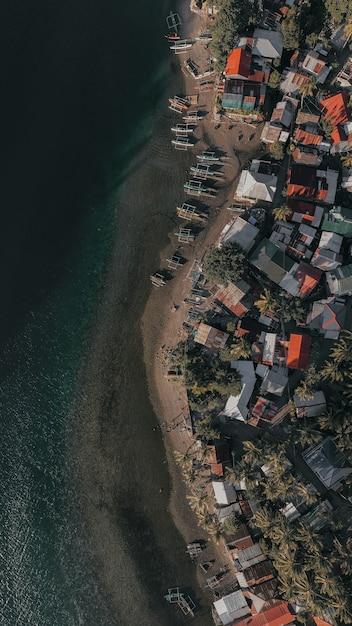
(342, 350)
(303, 491)
(282, 213)
(331, 371)
(267, 302)
(198, 502)
(241, 349)
(183, 459)
(252, 453)
(215, 531)
(264, 519)
(348, 29)
(307, 88)
(347, 160)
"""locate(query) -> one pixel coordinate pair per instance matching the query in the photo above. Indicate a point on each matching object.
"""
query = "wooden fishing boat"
(182, 143)
(183, 129)
(208, 156)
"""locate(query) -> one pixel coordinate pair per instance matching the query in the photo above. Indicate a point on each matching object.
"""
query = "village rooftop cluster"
(269, 340)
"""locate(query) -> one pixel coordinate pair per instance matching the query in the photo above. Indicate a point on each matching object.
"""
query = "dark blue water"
(85, 537)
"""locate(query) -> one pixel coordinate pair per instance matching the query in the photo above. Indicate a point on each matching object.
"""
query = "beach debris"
(184, 602)
(194, 549)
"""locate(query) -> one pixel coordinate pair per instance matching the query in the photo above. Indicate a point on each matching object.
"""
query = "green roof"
(270, 260)
(338, 220)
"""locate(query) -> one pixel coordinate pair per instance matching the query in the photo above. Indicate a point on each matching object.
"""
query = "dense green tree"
(274, 79)
(338, 10)
(277, 151)
(233, 19)
(291, 30)
(226, 264)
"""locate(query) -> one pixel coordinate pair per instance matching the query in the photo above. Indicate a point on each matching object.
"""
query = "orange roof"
(308, 139)
(278, 615)
(309, 277)
(217, 469)
(298, 351)
(238, 63)
(335, 108)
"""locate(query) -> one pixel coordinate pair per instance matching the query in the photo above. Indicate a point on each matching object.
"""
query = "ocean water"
(86, 200)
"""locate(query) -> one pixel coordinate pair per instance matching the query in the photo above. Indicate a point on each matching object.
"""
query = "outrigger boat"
(193, 116)
(196, 188)
(172, 37)
(208, 156)
(182, 143)
(158, 280)
(204, 171)
(191, 213)
(178, 104)
(183, 129)
(179, 47)
(184, 602)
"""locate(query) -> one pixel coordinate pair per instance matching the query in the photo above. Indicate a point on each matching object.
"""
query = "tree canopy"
(232, 20)
(225, 265)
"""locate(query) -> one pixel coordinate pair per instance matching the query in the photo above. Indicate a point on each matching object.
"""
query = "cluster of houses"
(306, 255)
(255, 598)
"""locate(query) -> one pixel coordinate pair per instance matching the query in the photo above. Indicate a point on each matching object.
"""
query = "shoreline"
(161, 324)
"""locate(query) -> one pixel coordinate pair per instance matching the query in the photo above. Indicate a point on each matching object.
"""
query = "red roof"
(335, 108)
(308, 277)
(298, 351)
(321, 622)
(278, 615)
(238, 63)
(308, 139)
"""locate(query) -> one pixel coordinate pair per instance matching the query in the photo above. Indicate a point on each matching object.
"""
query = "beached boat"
(208, 156)
(158, 280)
(196, 188)
(204, 171)
(180, 47)
(182, 143)
(183, 129)
(191, 213)
(173, 22)
(192, 68)
(193, 116)
(179, 104)
(172, 37)
(184, 602)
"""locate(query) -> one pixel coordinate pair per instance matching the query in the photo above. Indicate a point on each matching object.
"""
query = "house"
(301, 280)
(298, 352)
(218, 457)
(315, 63)
(340, 280)
(293, 80)
(293, 238)
(225, 512)
(241, 232)
(248, 557)
(327, 255)
(328, 463)
(243, 97)
(274, 381)
(278, 128)
(210, 337)
(271, 261)
(224, 492)
(312, 184)
(256, 574)
(305, 117)
(310, 135)
(257, 183)
(290, 512)
(310, 407)
(237, 406)
(231, 607)
(344, 77)
(321, 622)
(278, 614)
(305, 155)
(318, 517)
(267, 44)
(328, 316)
(235, 297)
(338, 220)
(346, 182)
(306, 212)
(335, 110)
(241, 64)
(239, 540)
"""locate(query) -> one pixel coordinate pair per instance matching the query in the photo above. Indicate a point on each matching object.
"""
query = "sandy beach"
(162, 322)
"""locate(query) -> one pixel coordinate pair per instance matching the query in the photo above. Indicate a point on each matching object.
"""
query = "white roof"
(237, 406)
(224, 492)
(332, 241)
(267, 43)
(256, 186)
(231, 607)
(275, 381)
(269, 347)
(241, 232)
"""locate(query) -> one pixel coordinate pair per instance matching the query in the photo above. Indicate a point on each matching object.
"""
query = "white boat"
(181, 46)
(183, 129)
(182, 143)
(208, 156)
